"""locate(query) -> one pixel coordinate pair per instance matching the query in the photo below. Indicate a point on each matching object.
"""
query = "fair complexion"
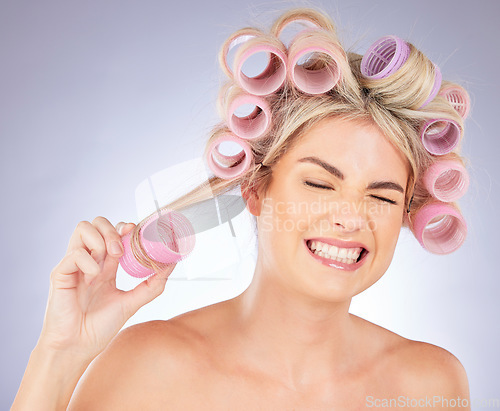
(298, 304)
(288, 341)
(84, 312)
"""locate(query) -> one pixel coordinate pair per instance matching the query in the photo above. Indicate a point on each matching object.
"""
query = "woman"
(334, 177)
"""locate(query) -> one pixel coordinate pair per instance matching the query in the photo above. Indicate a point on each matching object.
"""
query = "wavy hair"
(391, 104)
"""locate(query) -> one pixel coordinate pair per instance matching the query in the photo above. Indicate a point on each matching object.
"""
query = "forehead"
(353, 147)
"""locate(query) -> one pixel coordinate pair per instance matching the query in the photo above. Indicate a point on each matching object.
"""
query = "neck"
(303, 339)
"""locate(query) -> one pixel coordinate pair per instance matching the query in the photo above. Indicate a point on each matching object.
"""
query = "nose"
(348, 217)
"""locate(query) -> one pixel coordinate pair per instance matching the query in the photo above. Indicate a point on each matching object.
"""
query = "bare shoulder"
(431, 370)
(142, 363)
(414, 369)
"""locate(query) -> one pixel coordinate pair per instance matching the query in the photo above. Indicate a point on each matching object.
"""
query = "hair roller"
(458, 98)
(446, 180)
(440, 136)
(438, 78)
(440, 228)
(166, 238)
(384, 57)
(398, 74)
(234, 40)
(253, 125)
(222, 98)
(305, 77)
(308, 18)
(273, 76)
(227, 160)
(230, 166)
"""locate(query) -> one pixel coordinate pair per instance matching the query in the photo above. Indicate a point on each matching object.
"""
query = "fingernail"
(116, 247)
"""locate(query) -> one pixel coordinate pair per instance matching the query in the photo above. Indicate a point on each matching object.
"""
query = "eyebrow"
(391, 185)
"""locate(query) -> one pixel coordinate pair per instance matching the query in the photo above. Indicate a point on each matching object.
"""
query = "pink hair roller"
(168, 239)
(269, 80)
(439, 228)
(237, 38)
(384, 57)
(314, 81)
(227, 170)
(446, 180)
(438, 78)
(440, 136)
(305, 20)
(253, 125)
(227, 161)
(458, 98)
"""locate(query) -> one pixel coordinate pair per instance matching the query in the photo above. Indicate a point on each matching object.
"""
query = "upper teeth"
(344, 255)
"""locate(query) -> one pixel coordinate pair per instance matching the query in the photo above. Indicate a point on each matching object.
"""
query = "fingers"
(147, 290)
(74, 261)
(124, 228)
(99, 238)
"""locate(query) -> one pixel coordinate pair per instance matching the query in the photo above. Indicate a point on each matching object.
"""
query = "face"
(342, 186)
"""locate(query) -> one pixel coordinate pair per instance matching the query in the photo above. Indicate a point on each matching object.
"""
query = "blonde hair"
(392, 104)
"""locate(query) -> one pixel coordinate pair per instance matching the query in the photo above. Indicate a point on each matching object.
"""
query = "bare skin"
(288, 341)
(200, 360)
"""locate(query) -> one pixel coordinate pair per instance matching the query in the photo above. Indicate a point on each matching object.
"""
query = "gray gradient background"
(95, 96)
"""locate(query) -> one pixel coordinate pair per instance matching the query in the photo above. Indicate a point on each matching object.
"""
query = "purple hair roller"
(384, 57)
(446, 180)
(225, 169)
(253, 125)
(439, 228)
(440, 136)
(458, 98)
(438, 78)
(167, 238)
(313, 81)
(272, 78)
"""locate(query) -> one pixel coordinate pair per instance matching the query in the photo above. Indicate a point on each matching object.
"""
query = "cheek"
(388, 231)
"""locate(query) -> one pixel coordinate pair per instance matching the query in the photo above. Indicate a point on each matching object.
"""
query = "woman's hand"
(85, 310)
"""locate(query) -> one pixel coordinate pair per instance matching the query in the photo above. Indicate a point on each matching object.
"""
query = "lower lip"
(337, 264)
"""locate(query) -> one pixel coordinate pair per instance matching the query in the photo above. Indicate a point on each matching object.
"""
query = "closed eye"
(308, 183)
(329, 188)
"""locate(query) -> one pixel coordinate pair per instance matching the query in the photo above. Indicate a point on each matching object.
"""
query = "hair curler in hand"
(315, 80)
(168, 237)
(446, 180)
(440, 136)
(225, 166)
(255, 124)
(440, 228)
(272, 77)
(458, 98)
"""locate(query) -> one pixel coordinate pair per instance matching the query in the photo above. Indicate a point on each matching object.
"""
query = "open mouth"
(361, 256)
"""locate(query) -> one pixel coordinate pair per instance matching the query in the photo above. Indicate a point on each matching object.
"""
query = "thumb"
(147, 291)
